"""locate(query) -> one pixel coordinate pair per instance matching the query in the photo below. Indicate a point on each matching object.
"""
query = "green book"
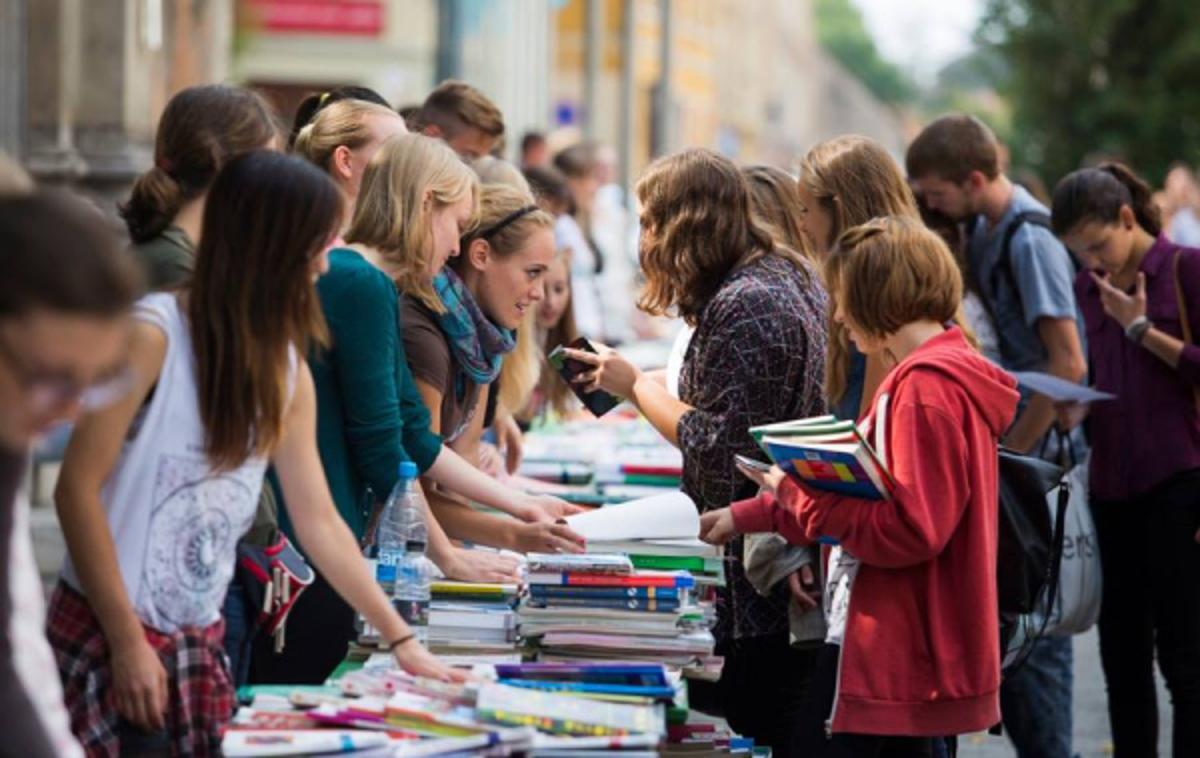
(676, 563)
(652, 480)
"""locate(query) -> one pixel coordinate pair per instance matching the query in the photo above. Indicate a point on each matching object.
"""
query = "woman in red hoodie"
(912, 650)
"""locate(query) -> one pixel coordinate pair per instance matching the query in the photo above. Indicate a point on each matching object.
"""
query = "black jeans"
(1151, 601)
(319, 631)
(762, 688)
(810, 740)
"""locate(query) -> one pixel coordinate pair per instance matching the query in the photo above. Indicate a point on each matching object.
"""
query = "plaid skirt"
(200, 696)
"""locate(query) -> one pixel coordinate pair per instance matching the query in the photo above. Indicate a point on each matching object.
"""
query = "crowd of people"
(291, 316)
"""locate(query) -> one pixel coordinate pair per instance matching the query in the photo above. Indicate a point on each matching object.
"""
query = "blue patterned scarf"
(477, 343)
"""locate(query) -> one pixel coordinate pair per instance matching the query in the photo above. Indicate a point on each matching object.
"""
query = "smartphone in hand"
(752, 464)
(598, 402)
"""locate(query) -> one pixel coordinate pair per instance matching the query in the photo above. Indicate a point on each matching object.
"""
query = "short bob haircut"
(893, 271)
(697, 228)
(391, 215)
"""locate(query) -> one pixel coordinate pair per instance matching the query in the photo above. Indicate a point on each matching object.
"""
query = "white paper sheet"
(1059, 390)
(671, 515)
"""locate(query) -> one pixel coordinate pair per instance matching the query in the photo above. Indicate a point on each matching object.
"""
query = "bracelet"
(397, 643)
(1137, 329)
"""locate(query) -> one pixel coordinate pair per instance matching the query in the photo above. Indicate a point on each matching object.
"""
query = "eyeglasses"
(48, 391)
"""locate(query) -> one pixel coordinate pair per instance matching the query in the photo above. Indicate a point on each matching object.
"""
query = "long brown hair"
(697, 227)
(775, 203)
(555, 392)
(199, 131)
(252, 298)
(855, 180)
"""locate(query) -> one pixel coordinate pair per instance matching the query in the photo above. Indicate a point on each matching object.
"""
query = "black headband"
(495, 228)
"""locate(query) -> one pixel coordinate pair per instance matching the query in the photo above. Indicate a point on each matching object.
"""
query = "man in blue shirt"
(1024, 276)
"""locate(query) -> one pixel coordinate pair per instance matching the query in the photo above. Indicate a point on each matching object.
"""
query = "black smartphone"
(598, 402)
(752, 464)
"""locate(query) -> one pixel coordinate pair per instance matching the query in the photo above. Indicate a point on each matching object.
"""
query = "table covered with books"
(592, 652)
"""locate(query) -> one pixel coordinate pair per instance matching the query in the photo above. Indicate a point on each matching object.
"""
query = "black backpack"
(1029, 558)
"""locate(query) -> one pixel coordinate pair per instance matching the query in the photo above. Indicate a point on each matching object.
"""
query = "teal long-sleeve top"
(370, 415)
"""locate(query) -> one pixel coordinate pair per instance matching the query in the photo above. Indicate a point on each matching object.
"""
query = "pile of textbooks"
(473, 619)
(599, 606)
(528, 709)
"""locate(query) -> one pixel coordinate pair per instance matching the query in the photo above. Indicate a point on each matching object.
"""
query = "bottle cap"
(408, 470)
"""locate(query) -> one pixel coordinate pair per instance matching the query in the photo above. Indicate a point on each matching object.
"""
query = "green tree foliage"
(1092, 79)
(841, 32)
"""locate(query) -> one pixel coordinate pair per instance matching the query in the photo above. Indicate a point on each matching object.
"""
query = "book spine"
(629, 604)
(549, 724)
(668, 562)
(608, 580)
(616, 593)
(652, 480)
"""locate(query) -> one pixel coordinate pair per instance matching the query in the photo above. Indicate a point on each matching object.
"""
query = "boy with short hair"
(1025, 277)
(463, 117)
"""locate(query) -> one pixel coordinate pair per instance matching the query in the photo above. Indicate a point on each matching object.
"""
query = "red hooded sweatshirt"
(921, 652)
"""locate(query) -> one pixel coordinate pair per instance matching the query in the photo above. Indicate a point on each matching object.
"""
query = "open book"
(826, 454)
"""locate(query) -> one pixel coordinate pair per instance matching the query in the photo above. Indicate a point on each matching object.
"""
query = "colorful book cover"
(846, 469)
(561, 714)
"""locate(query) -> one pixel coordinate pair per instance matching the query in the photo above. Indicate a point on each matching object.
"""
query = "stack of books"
(826, 454)
(599, 606)
(473, 619)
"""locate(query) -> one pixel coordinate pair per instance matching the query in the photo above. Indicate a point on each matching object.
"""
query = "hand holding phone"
(598, 402)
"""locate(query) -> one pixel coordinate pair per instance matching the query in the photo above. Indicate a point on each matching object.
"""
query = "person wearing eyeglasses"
(65, 298)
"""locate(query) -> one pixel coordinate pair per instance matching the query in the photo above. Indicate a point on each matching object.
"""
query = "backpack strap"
(1003, 267)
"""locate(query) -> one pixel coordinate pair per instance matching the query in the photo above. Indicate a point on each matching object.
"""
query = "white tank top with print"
(176, 521)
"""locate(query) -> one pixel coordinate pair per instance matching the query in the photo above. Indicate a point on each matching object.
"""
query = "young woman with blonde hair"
(757, 356)
(912, 581)
(341, 140)
(415, 198)
(459, 326)
(844, 182)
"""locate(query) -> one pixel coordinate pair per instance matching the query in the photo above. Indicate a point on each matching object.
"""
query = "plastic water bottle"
(401, 568)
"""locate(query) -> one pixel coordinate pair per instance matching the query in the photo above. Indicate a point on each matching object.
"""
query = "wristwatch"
(1136, 331)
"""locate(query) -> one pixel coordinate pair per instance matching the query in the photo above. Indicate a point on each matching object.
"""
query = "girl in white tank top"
(156, 490)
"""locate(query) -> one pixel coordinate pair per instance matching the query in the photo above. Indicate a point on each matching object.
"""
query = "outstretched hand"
(717, 527)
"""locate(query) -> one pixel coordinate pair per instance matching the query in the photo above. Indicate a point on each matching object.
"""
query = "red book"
(637, 579)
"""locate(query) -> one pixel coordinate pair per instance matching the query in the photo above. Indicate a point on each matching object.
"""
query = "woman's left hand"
(546, 508)
(610, 371)
(1123, 307)
(768, 480)
(416, 660)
